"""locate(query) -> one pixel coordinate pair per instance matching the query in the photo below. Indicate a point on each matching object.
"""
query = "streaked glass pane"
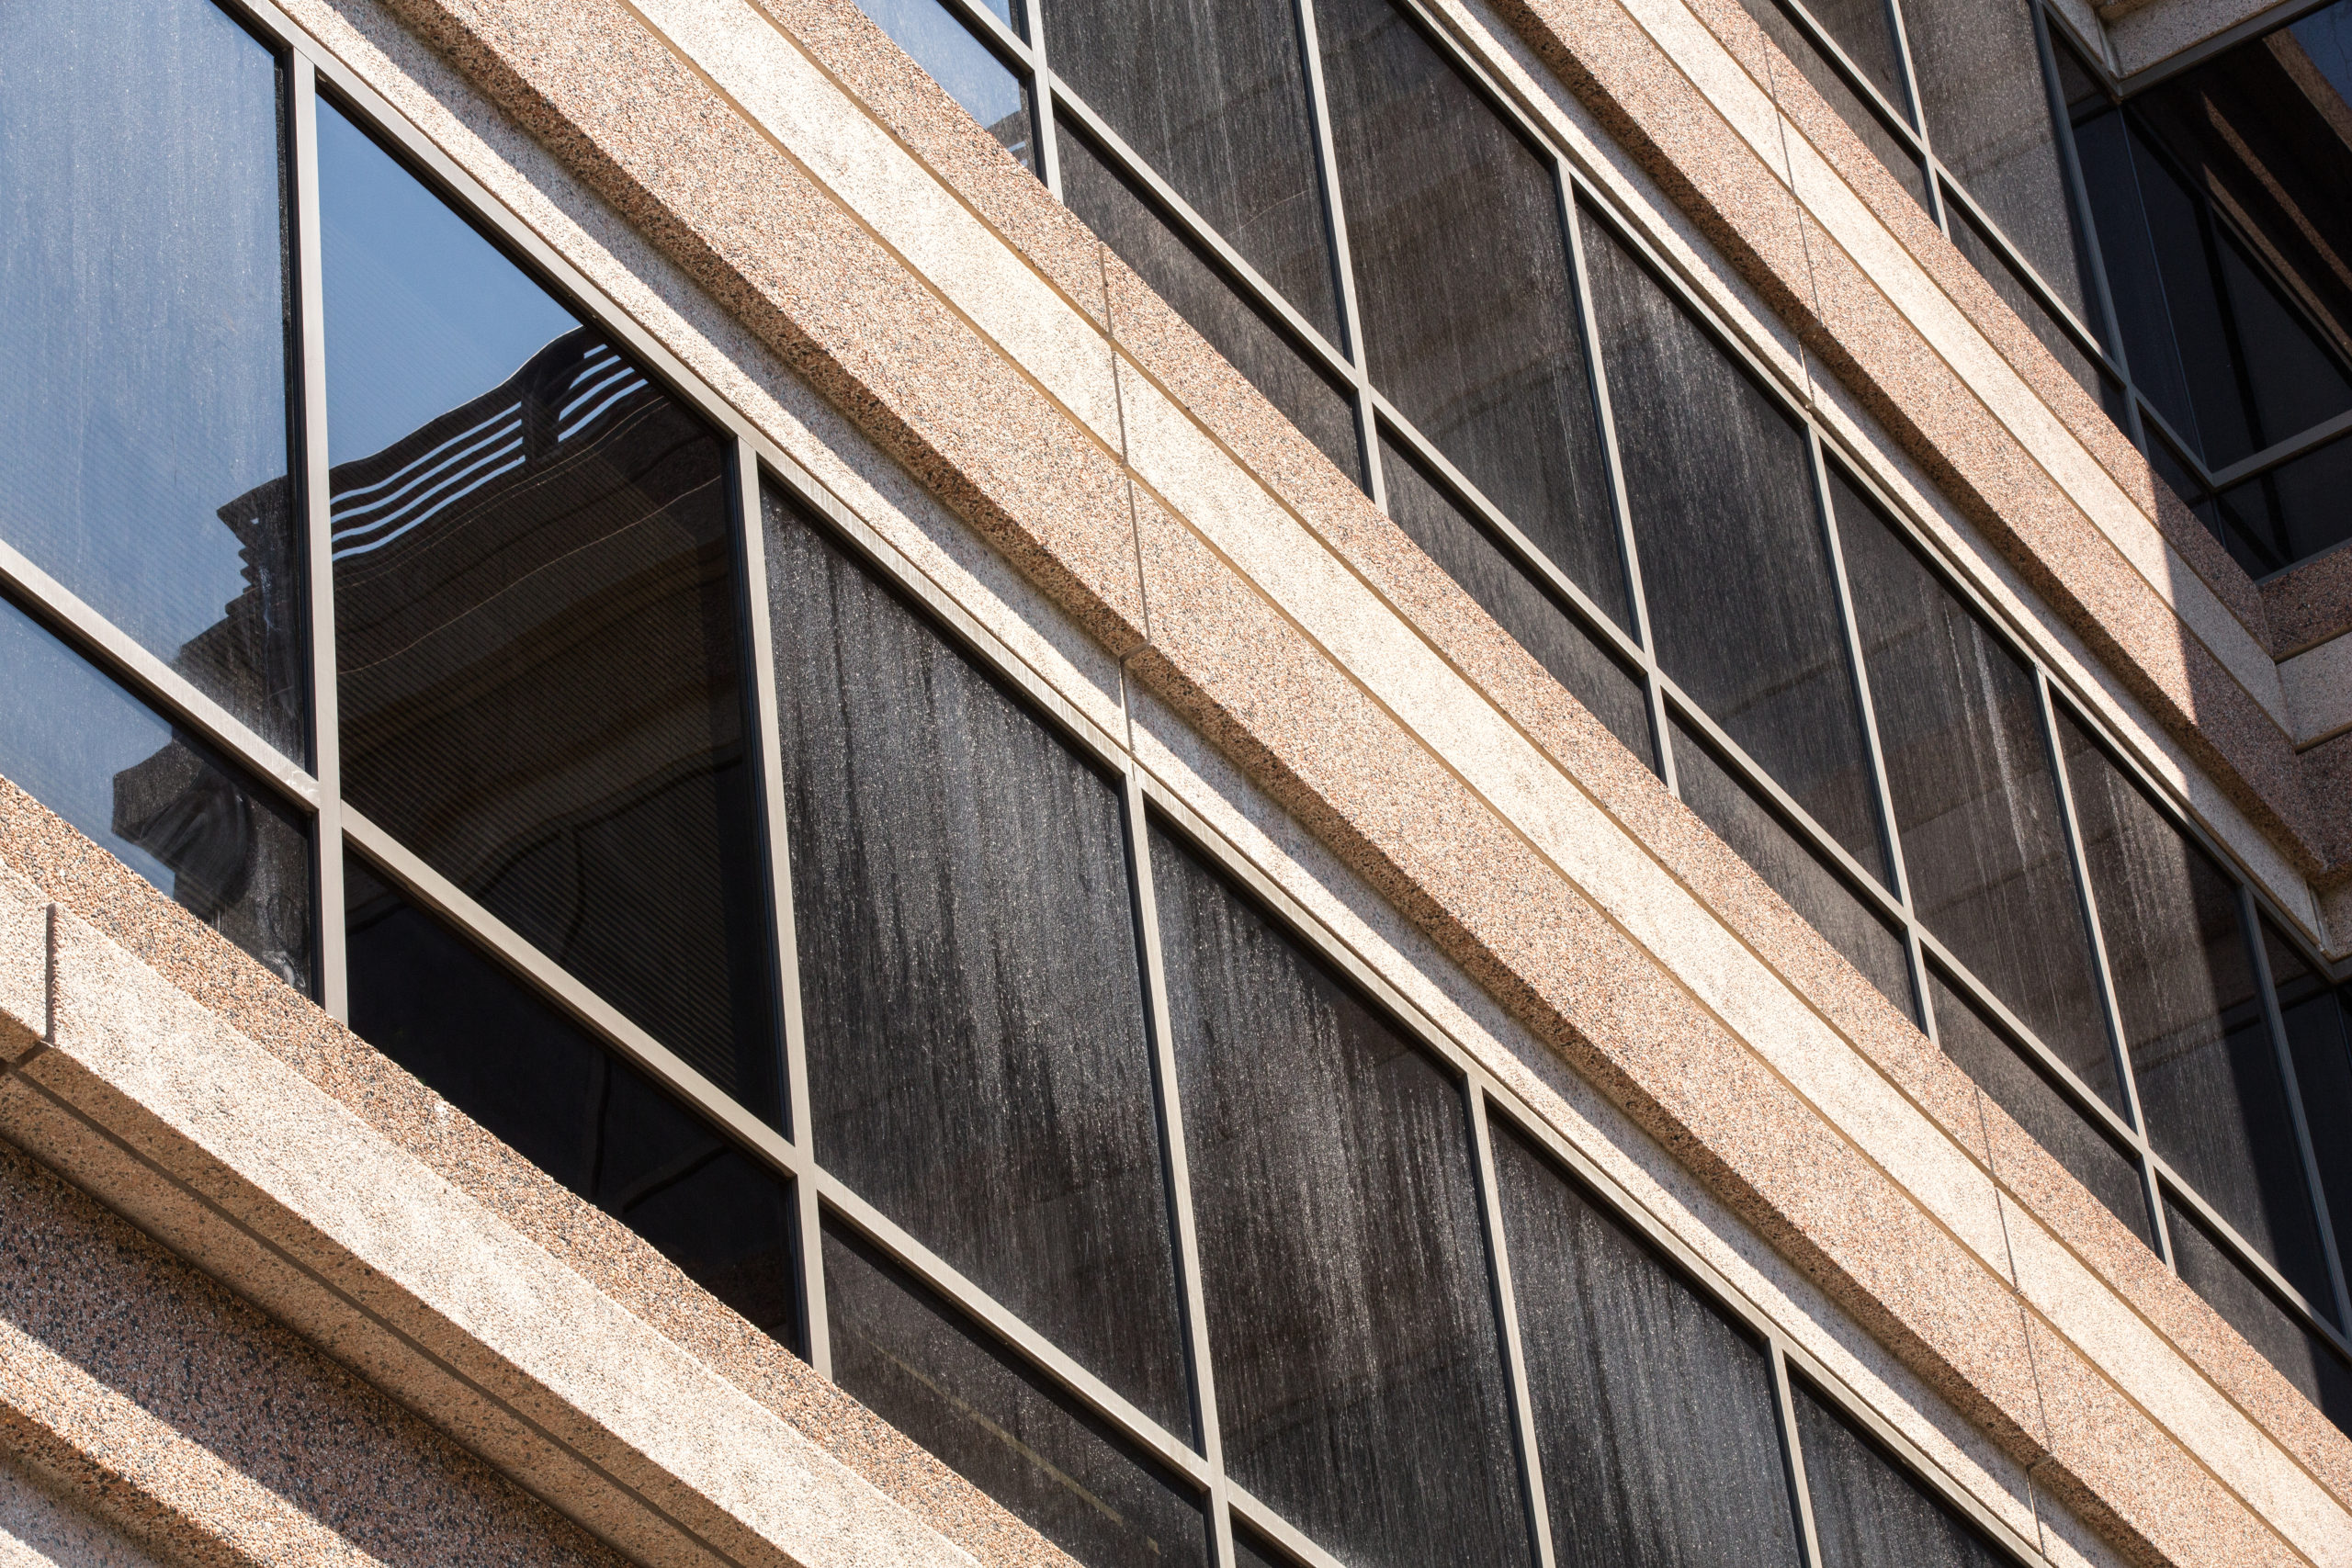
(1863, 30)
(154, 795)
(2300, 1355)
(1868, 1512)
(536, 609)
(944, 46)
(143, 339)
(1734, 563)
(1656, 1417)
(921, 1365)
(969, 978)
(1359, 1373)
(2319, 1037)
(1470, 317)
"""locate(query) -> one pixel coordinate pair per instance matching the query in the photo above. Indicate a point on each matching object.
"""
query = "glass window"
(143, 326)
(1734, 563)
(155, 797)
(970, 978)
(1867, 1510)
(528, 1076)
(2297, 509)
(1656, 1417)
(2133, 281)
(918, 1363)
(1470, 318)
(1212, 95)
(2319, 1037)
(535, 610)
(1508, 590)
(1745, 821)
(1198, 291)
(1359, 1373)
(1864, 29)
(1960, 721)
(936, 40)
(2201, 1053)
(2298, 1354)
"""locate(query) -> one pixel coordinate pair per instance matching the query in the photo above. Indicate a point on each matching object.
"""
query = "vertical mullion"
(1938, 211)
(1177, 1166)
(316, 502)
(2250, 922)
(1505, 1301)
(1589, 324)
(1041, 79)
(760, 690)
(1793, 1453)
(1342, 257)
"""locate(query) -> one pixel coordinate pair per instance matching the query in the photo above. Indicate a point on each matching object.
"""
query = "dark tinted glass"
(2298, 1354)
(143, 339)
(1840, 94)
(530, 1077)
(2133, 281)
(1185, 276)
(973, 75)
(1734, 563)
(1508, 590)
(2319, 1037)
(1359, 1379)
(1796, 873)
(1656, 1417)
(536, 622)
(1960, 720)
(2200, 1041)
(1867, 1511)
(1250, 1552)
(1212, 95)
(1864, 29)
(918, 1363)
(1989, 122)
(1462, 276)
(155, 797)
(2298, 509)
(968, 971)
(2039, 1107)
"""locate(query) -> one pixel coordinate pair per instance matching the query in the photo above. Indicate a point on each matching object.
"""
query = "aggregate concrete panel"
(39, 1529)
(2319, 691)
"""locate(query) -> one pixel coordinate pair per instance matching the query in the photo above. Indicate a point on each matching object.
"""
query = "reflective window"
(143, 335)
(536, 622)
(969, 69)
(1359, 1374)
(155, 797)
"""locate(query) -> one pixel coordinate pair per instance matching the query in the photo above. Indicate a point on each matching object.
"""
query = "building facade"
(1290, 783)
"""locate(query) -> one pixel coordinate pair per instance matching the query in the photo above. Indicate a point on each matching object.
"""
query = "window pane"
(155, 797)
(2200, 1041)
(2298, 508)
(1509, 591)
(2132, 279)
(1217, 309)
(1359, 1375)
(2039, 1106)
(1469, 314)
(2319, 1035)
(2300, 1355)
(920, 1365)
(969, 975)
(1795, 872)
(1212, 95)
(1960, 721)
(143, 328)
(1867, 1510)
(536, 622)
(936, 40)
(1656, 1417)
(493, 1049)
(1863, 30)
(1831, 84)
(1734, 559)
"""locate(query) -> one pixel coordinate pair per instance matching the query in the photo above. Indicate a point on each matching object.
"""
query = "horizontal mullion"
(2244, 1253)
(2183, 450)
(558, 986)
(2281, 452)
(1264, 1521)
(1000, 1320)
(131, 664)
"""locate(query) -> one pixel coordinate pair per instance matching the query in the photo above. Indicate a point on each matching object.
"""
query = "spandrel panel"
(1215, 307)
(533, 1079)
(2039, 1107)
(918, 1363)
(1794, 871)
(1840, 94)
(143, 331)
(1734, 563)
(1211, 96)
(155, 797)
(2319, 1038)
(1470, 317)
(970, 984)
(2208, 1078)
(2302, 1358)
(536, 621)
(938, 42)
(1359, 1374)
(1975, 801)
(1508, 590)
(1867, 1510)
(1656, 1418)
